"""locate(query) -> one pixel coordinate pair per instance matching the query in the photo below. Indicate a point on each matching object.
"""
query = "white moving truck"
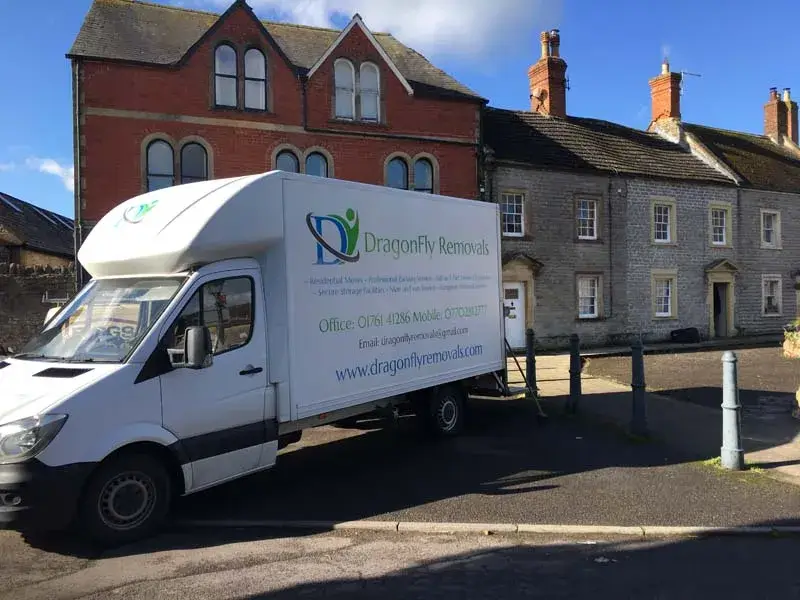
(222, 319)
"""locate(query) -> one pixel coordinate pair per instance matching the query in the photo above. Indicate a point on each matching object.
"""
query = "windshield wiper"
(34, 356)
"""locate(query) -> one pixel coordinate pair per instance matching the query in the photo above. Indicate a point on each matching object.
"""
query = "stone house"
(33, 237)
(604, 226)
(763, 278)
(164, 95)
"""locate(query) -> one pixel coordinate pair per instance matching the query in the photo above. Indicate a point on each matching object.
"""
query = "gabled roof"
(580, 144)
(357, 22)
(140, 32)
(23, 224)
(760, 162)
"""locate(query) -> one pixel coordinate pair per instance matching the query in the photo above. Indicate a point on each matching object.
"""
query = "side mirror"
(197, 350)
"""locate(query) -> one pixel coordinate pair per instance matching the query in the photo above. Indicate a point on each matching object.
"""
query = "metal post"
(574, 373)
(638, 425)
(530, 361)
(732, 452)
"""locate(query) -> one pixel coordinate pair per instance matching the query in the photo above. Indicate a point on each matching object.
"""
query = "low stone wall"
(22, 289)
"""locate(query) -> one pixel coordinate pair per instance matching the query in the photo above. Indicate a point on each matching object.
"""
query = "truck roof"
(174, 229)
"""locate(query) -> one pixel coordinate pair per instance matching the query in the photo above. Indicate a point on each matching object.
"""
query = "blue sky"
(611, 47)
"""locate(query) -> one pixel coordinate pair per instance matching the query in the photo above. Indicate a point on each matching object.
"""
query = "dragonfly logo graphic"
(134, 214)
(336, 237)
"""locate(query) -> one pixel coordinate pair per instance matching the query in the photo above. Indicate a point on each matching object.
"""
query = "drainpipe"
(77, 236)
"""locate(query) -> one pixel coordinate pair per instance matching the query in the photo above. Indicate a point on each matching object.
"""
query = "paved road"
(697, 376)
(506, 469)
(265, 565)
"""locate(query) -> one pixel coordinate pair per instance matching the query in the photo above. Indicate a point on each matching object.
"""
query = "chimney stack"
(780, 116)
(547, 79)
(665, 94)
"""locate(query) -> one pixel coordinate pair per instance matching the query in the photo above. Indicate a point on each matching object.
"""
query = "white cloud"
(50, 166)
(458, 28)
(7, 167)
(666, 50)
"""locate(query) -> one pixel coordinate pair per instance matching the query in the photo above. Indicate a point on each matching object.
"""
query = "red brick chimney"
(665, 94)
(547, 78)
(780, 115)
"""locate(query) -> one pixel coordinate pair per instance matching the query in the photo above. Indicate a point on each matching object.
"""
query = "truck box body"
(370, 291)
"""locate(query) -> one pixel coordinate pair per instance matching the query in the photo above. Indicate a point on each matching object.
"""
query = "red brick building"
(164, 95)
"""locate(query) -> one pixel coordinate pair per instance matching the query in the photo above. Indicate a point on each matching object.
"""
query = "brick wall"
(21, 309)
(755, 259)
(178, 102)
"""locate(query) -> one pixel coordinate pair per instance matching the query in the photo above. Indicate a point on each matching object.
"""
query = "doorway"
(514, 311)
(721, 302)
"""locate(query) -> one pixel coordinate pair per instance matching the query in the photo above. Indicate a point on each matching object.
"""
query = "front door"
(514, 309)
(218, 412)
(720, 293)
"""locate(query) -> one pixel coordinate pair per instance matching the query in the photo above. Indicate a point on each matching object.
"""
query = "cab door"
(218, 412)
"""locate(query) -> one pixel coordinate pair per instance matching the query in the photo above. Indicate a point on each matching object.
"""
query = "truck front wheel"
(126, 499)
(446, 412)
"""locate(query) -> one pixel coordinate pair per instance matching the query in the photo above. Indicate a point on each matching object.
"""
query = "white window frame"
(776, 242)
(503, 212)
(776, 278)
(598, 292)
(658, 276)
(672, 223)
(376, 91)
(350, 88)
(728, 225)
(594, 205)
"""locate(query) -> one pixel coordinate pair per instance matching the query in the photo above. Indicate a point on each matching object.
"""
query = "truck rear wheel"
(446, 410)
(126, 499)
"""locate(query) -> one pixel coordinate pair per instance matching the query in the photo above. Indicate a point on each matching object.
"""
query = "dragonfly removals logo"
(336, 237)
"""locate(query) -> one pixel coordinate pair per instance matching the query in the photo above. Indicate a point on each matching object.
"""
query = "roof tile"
(35, 227)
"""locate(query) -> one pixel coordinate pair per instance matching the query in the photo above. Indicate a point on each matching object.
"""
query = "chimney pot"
(555, 43)
(665, 67)
(773, 93)
(545, 39)
(787, 94)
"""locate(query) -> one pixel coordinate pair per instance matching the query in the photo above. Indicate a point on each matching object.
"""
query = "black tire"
(446, 414)
(112, 521)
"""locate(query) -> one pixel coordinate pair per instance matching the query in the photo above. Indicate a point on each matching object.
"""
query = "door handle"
(250, 370)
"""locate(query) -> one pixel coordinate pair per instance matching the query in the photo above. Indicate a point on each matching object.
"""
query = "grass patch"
(716, 463)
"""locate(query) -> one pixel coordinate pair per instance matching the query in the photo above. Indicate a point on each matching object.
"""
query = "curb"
(492, 528)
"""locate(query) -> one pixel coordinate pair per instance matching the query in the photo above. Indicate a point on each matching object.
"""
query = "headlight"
(24, 438)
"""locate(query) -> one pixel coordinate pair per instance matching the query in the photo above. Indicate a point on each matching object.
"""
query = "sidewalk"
(773, 446)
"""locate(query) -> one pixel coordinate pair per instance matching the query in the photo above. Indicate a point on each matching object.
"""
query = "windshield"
(105, 323)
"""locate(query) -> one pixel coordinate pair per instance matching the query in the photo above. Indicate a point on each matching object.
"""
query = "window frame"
(147, 173)
(595, 203)
(360, 93)
(728, 229)
(198, 291)
(772, 277)
(672, 225)
(322, 156)
(777, 242)
(657, 276)
(402, 160)
(426, 160)
(206, 158)
(353, 90)
(293, 154)
(264, 81)
(597, 278)
(522, 197)
(235, 76)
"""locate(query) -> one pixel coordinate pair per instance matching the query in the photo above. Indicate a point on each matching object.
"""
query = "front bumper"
(35, 496)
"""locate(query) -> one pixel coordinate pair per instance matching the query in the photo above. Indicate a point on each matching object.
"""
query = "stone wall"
(22, 311)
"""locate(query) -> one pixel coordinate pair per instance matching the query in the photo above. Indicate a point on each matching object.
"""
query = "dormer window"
(255, 80)
(358, 96)
(225, 76)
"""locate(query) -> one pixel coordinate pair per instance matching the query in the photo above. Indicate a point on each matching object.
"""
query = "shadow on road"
(505, 468)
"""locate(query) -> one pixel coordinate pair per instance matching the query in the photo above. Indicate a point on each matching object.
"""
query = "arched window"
(397, 174)
(225, 75)
(194, 163)
(287, 161)
(369, 91)
(345, 80)
(423, 175)
(255, 80)
(317, 164)
(160, 165)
